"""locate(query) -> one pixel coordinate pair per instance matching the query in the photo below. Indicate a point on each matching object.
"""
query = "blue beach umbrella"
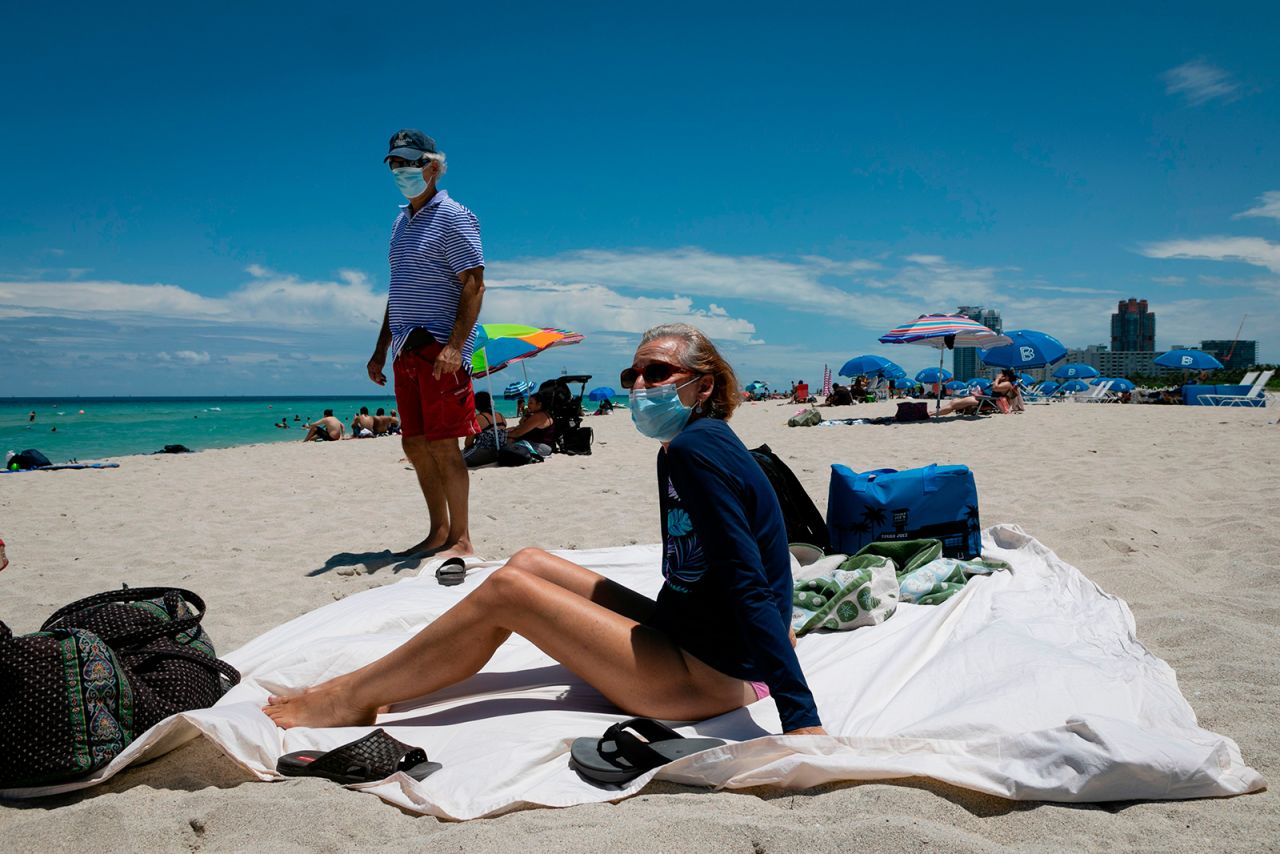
(1025, 380)
(904, 382)
(1122, 385)
(956, 386)
(1188, 360)
(871, 366)
(1029, 348)
(1100, 380)
(1075, 371)
(1049, 388)
(1073, 386)
(982, 383)
(604, 392)
(929, 376)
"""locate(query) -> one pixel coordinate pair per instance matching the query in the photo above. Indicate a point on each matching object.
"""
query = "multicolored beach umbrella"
(1075, 371)
(502, 344)
(1027, 348)
(944, 332)
(1188, 360)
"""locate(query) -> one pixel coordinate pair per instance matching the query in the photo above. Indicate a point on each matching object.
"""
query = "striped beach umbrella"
(502, 344)
(944, 332)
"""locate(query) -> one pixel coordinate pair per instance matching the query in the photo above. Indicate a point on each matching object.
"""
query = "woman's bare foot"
(322, 706)
(4, 561)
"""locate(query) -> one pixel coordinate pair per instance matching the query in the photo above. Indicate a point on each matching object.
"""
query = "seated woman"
(1006, 392)
(717, 637)
(482, 448)
(536, 427)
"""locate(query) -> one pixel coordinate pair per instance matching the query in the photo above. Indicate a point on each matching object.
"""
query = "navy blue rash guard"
(726, 595)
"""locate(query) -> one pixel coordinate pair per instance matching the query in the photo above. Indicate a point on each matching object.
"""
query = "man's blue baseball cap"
(410, 144)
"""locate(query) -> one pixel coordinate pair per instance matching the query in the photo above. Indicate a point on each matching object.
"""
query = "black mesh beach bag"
(100, 672)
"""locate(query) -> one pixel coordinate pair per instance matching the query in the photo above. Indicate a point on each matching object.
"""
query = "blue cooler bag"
(934, 502)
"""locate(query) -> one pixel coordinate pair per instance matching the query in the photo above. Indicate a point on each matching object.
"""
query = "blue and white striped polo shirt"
(428, 251)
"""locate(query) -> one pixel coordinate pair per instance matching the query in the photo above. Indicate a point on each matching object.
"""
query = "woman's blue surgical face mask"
(658, 412)
(409, 180)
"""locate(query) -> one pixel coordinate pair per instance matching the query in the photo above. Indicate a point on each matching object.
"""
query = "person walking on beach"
(437, 285)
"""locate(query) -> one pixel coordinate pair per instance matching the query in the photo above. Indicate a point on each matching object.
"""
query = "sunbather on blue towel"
(716, 639)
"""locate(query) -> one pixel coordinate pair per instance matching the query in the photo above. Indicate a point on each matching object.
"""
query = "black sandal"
(452, 571)
(619, 756)
(374, 757)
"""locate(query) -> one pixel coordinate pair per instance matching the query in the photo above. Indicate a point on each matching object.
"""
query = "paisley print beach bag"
(100, 672)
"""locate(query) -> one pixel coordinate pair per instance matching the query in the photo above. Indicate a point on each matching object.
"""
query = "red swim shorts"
(442, 408)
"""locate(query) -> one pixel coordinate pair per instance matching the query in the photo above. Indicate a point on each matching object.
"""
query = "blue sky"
(192, 199)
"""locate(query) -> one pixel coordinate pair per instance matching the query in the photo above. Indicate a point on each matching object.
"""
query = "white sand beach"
(1170, 508)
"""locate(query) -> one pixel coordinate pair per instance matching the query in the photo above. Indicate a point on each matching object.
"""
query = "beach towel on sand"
(1028, 684)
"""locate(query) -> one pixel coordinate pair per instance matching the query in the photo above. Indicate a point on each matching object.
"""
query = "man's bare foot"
(317, 707)
(462, 548)
(427, 548)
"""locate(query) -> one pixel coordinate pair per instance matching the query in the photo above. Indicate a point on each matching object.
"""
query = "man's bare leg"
(456, 478)
(636, 667)
(431, 482)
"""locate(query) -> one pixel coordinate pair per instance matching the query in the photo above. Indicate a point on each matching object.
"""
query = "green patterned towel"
(865, 589)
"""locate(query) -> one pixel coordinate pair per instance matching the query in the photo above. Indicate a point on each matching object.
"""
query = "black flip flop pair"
(630, 748)
(374, 757)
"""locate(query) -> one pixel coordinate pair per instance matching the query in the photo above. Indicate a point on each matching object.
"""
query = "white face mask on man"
(410, 181)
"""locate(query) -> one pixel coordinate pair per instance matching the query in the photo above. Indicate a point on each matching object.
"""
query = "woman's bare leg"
(562, 609)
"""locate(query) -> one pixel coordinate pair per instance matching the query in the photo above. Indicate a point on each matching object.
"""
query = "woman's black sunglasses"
(654, 372)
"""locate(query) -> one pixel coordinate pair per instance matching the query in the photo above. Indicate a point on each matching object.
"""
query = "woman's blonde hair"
(700, 356)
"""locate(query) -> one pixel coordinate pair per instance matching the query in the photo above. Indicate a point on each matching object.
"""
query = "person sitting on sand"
(362, 424)
(716, 639)
(605, 407)
(859, 390)
(384, 424)
(481, 448)
(840, 396)
(327, 429)
(536, 427)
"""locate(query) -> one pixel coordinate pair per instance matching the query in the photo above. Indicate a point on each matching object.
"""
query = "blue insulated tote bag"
(934, 502)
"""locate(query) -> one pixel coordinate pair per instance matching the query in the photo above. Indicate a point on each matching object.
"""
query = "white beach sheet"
(1029, 684)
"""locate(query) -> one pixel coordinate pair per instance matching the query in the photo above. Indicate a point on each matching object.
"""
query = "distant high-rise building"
(1133, 327)
(1242, 354)
(964, 360)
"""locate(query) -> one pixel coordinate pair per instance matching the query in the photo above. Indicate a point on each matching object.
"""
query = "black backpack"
(578, 441)
(804, 523)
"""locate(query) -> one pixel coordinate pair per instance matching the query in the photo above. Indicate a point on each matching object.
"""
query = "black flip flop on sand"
(619, 756)
(374, 757)
(452, 571)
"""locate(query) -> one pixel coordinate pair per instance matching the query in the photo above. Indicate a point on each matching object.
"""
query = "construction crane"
(1239, 329)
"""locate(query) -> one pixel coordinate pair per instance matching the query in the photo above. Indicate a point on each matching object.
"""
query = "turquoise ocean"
(95, 428)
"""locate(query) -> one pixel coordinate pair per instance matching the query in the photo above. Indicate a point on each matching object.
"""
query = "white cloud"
(192, 357)
(269, 298)
(1169, 280)
(1199, 82)
(1249, 250)
(1268, 206)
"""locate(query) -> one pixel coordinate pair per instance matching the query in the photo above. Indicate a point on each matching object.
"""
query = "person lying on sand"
(327, 429)
(716, 639)
(963, 405)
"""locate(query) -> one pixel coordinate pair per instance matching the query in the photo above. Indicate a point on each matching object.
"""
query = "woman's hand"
(808, 730)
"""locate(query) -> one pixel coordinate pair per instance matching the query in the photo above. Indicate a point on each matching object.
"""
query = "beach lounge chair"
(1248, 378)
(1255, 396)
(1093, 395)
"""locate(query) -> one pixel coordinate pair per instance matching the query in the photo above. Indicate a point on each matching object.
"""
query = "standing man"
(437, 284)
